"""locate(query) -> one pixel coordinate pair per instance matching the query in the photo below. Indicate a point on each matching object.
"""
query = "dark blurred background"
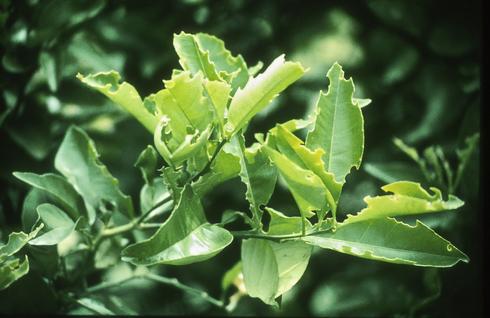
(419, 61)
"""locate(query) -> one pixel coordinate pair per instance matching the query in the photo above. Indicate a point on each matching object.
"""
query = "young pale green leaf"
(206, 53)
(362, 102)
(390, 241)
(270, 269)
(307, 188)
(96, 306)
(16, 241)
(147, 162)
(183, 102)
(259, 92)
(184, 238)
(292, 147)
(219, 94)
(12, 270)
(188, 148)
(192, 57)
(59, 225)
(224, 167)
(408, 198)
(66, 196)
(77, 159)
(124, 95)
(256, 173)
(339, 126)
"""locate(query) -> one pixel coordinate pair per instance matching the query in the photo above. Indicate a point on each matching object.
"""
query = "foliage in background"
(428, 94)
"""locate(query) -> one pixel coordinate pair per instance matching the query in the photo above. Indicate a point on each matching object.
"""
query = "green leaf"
(59, 188)
(259, 92)
(124, 95)
(224, 167)
(183, 102)
(77, 159)
(292, 147)
(184, 238)
(270, 269)
(206, 53)
(16, 241)
(153, 193)
(231, 275)
(280, 224)
(362, 102)
(192, 57)
(408, 198)
(58, 224)
(390, 241)
(219, 94)
(12, 270)
(339, 126)
(256, 173)
(260, 270)
(307, 189)
(147, 162)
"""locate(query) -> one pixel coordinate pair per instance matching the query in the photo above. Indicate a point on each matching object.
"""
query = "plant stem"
(106, 285)
(174, 282)
(249, 234)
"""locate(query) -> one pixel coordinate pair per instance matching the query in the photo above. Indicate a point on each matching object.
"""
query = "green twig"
(208, 165)
(174, 282)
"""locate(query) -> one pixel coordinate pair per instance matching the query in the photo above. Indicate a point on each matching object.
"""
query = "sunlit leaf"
(408, 198)
(339, 126)
(260, 91)
(388, 240)
(184, 238)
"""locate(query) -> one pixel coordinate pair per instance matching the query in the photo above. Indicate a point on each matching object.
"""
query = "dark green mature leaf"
(390, 241)
(125, 95)
(259, 92)
(256, 173)
(77, 159)
(58, 187)
(339, 126)
(58, 224)
(408, 198)
(184, 238)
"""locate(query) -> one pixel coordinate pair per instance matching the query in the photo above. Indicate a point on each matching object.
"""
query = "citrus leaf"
(388, 240)
(270, 269)
(184, 238)
(12, 270)
(219, 94)
(292, 147)
(77, 159)
(58, 187)
(16, 241)
(206, 53)
(256, 173)
(260, 91)
(408, 198)
(307, 189)
(124, 95)
(339, 126)
(147, 162)
(58, 225)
